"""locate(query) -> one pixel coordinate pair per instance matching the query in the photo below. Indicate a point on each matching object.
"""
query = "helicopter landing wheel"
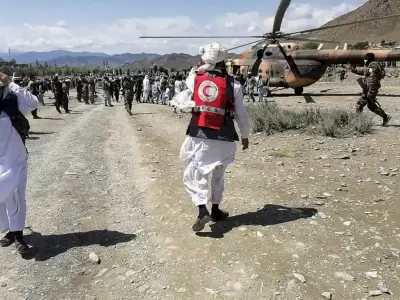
(298, 91)
(268, 92)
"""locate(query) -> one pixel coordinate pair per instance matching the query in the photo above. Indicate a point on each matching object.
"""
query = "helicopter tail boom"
(345, 56)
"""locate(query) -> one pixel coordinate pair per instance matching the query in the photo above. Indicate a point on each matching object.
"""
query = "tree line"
(37, 69)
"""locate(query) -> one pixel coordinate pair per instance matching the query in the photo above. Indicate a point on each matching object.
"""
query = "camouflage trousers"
(61, 100)
(369, 100)
(86, 98)
(128, 99)
(91, 97)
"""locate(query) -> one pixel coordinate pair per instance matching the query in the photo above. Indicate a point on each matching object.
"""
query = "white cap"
(213, 53)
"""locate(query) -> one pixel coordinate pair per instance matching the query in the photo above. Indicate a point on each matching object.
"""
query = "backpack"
(21, 124)
(382, 72)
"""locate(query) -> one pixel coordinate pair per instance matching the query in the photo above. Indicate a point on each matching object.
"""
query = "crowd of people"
(157, 88)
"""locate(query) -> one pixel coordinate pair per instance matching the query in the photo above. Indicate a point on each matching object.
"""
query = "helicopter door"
(276, 70)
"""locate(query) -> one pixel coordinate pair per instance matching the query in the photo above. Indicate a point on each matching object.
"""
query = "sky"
(114, 26)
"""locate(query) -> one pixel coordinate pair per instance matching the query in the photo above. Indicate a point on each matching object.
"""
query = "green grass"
(270, 118)
(282, 154)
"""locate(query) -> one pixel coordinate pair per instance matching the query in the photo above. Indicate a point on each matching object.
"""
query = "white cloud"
(62, 23)
(122, 35)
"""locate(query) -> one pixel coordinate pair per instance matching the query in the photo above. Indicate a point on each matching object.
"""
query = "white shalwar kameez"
(206, 156)
(13, 164)
(146, 88)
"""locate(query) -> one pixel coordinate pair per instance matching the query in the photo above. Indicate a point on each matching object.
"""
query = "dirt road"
(310, 215)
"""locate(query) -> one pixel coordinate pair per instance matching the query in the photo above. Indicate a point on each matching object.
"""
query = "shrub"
(270, 118)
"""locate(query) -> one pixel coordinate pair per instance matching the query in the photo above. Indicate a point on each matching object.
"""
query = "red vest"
(213, 104)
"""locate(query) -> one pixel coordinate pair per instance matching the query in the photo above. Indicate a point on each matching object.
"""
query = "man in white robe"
(146, 88)
(209, 151)
(13, 165)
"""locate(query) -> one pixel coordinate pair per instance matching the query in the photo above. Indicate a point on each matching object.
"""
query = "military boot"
(386, 120)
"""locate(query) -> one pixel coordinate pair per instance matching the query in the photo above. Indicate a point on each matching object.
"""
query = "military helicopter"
(286, 65)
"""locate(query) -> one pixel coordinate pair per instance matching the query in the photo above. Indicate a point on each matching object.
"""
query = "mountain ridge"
(170, 61)
(117, 60)
(375, 31)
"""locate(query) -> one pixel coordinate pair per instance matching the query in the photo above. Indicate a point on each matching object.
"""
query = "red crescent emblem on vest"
(208, 91)
(205, 89)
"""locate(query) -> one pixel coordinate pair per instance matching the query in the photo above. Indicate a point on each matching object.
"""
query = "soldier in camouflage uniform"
(92, 89)
(373, 73)
(58, 93)
(85, 91)
(128, 87)
(79, 88)
(249, 85)
(117, 88)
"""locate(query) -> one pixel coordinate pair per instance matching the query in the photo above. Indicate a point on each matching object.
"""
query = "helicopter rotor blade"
(294, 38)
(245, 45)
(344, 24)
(203, 37)
(280, 13)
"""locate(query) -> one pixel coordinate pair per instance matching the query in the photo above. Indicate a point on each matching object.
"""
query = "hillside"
(388, 29)
(116, 60)
(31, 57)
(173, 60)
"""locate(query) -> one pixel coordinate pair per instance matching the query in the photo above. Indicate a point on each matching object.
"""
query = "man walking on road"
(58, 93)
(33, 87)
(14, 101)
(210, 147)
(107, 92)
